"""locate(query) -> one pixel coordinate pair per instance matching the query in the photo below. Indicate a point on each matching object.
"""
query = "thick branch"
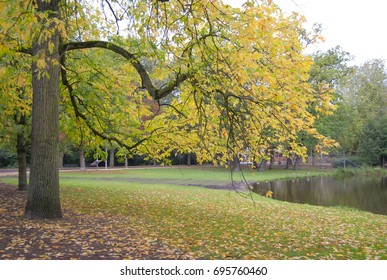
(145, 78)
(146, 81)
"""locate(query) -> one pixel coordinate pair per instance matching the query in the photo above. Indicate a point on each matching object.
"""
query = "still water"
(364, 193)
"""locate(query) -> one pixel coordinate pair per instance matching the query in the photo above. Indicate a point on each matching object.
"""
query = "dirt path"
(8, 172)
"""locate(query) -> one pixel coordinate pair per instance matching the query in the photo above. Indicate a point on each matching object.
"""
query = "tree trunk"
(60, 159)
(313, 158)
(82, 161)
(43, 193)
(272, 158)
(262, 166)
(188, 159)
(297, 163)
(288, 163)
(126, 162)
(22, 162)
(111, 158)
(236, 165)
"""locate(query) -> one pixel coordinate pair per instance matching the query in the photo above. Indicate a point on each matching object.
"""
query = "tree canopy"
(156, 76)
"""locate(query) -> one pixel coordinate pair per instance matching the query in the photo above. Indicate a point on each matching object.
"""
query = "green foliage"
(373, 141)
(7, 158)
(330, 67)
(361, 100)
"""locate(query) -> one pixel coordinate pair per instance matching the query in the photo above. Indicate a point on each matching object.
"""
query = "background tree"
(373, 141)
(15, 113)
(328, 71)
(364, 99)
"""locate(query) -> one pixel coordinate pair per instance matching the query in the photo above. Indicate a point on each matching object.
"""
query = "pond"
(364, 193)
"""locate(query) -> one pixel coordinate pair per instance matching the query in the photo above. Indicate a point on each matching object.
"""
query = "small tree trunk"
(313, 158)
(236, 165)
(111, 158)
(297, 163)
(60, 159)
(22, 162)
(288, 163)
(262, 166)
(189, 159)
(271, 165)
(82, 160)
(126, 162)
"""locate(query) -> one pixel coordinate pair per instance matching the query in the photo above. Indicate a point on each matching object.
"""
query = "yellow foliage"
(246, 83)
(269, 194)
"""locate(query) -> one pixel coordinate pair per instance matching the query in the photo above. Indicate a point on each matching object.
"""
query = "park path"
(12, 172)
(8, 172)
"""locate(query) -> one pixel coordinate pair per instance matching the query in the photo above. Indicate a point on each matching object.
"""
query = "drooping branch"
(146, 81)
(82, 116)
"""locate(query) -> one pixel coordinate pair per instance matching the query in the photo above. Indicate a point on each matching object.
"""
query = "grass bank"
(191, 175)
(221, 224)
(361, 171)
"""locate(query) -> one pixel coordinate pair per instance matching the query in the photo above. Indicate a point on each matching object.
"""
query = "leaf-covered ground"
(77, 236)
(121, 218)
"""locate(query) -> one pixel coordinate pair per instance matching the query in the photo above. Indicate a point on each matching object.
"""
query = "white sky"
(359, 26)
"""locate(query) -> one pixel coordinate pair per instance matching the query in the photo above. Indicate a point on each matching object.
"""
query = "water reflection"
(365, 193)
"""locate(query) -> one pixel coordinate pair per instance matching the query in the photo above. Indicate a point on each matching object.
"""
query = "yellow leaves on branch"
(16, 24)
(21, 24)
(250, 89)
(247, 86)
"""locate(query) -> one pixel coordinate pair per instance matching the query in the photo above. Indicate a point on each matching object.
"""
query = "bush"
(7, 159)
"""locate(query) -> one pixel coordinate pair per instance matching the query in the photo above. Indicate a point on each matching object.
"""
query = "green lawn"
(188, 175)
(162, 204)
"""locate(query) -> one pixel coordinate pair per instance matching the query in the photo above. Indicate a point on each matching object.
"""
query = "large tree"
(234, 74)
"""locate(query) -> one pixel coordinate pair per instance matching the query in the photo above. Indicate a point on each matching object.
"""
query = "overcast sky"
(359, 26)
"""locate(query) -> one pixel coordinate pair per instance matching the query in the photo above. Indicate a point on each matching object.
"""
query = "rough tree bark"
(43, 193)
